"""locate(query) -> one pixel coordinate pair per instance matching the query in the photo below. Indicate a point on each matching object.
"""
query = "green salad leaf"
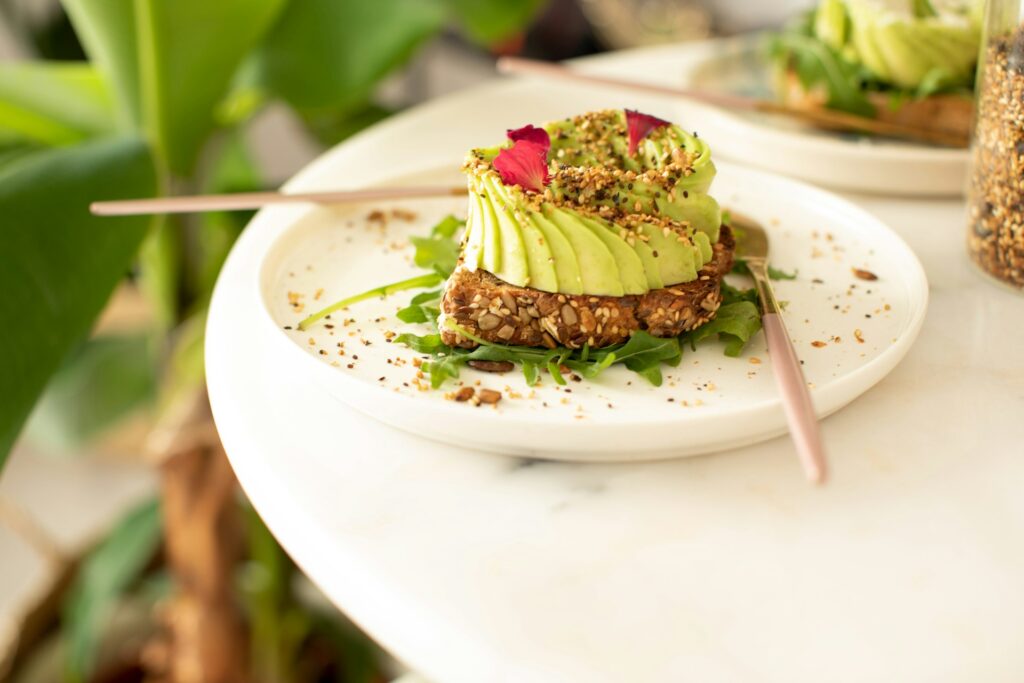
(440, 251)
(819, 65)
(739, 267)
(423, 308)
(734, 324)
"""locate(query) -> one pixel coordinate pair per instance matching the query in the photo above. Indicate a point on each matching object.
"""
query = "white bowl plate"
(849, 332)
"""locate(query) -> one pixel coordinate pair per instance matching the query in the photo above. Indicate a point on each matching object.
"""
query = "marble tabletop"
(472, 567)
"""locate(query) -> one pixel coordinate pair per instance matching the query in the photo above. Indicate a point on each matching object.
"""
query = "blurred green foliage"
(160, 107)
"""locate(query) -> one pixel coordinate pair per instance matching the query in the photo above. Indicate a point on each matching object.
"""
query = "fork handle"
(796, 399)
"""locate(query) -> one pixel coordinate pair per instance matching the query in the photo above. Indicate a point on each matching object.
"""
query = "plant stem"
(418, 282)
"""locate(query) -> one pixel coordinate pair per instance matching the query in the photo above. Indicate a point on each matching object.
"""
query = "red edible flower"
(525, 163)
(640, 126)
(532, 134)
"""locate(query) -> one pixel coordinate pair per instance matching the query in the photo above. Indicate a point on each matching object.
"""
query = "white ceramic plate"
(850, 332)
(779, 144)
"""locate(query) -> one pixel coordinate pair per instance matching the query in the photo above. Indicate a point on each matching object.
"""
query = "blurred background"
(124, 544)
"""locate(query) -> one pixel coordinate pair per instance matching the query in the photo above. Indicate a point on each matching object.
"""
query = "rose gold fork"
(752, 247)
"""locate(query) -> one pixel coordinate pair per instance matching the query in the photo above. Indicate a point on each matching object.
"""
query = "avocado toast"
(584, 231)
(910, 62)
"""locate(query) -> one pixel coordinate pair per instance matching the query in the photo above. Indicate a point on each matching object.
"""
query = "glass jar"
(995, 200)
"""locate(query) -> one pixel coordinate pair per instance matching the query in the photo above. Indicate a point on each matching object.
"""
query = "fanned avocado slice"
(701, 211)
(631, 268)
(472, 251)
(598, 270)
(703, 243)
(523, 245)
(651, 266)
(490, 257)
(676, 259)
(567, 269)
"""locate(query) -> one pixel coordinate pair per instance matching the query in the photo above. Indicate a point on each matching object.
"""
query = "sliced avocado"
(474, 237)
(924, 46)
(514, 267)
(862, 18)
(831, 24)
(703, 243)
(651, 266)
(490, 248)
(567, 269)
(677, 260)
(526, 259)
(598, 271)
(631, 267)
(539, 258)
(701, 211)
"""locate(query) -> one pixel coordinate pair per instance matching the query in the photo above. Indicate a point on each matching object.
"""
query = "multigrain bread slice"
(498, 312)
(948, 113)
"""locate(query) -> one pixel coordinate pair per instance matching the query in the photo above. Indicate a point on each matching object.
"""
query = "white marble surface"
(473, 567)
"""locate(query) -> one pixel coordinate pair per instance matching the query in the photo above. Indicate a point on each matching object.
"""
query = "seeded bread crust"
(498, 312)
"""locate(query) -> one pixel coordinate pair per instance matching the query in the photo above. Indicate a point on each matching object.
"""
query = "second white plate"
(842, 161)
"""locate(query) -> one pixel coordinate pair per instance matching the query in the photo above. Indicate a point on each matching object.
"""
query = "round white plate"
(849, 331)
(774, 143)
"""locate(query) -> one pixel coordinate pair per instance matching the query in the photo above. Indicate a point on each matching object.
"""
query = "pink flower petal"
(640, 126)
(532, 134)
(524, 164)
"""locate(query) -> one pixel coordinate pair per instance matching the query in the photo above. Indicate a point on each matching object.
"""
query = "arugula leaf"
(429, 343)
(445, 367)
(815, 63)
(418, 313)
(440, 251)
(427, 297)
(740, 267)
(530, 373)
(424, 307)
(644, 354)
(731, 294)
(734, 324)
(428, 280)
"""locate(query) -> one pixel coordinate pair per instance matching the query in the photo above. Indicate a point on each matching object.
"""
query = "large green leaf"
(171, 61)
(104, 381)
(106, 29)
(55, 103)
(59, 263)
(233, 170)
(188, 52)
(330, 53)
(491, 21)
(106, 574)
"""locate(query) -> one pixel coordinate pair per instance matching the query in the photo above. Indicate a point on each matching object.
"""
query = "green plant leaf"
(105, 380)
(106, 29)
(188, 53)
(326, 53)
(55, 103)
(106, 574)
(159, 272)
(60, 263)
(233, 171)
(490, 21)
